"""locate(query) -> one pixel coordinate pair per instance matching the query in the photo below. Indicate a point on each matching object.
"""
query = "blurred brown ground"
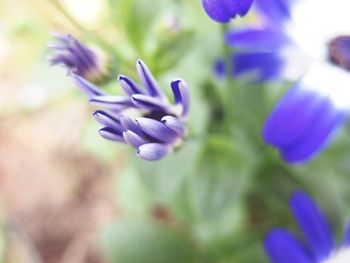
(54, 195)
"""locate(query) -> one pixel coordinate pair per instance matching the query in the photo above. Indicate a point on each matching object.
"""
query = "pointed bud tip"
(121, 77)
(140, 62)
(73, 75)
(176, 81)
(152, 151)
(97, 113)
(179, 82)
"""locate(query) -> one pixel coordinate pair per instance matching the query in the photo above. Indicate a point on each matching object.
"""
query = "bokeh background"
(55, 192)
(68, 196)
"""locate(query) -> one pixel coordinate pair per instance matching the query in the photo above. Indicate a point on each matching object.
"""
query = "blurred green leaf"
(139, 21)
(93, 143)
(164, 178)
(142, 240)
(219, 179)
(171, 49)
(214, 195)
(132, 195)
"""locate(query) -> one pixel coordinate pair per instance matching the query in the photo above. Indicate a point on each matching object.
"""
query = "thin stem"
(227, 94)
(92, 35)
(227, 52)
(62, 10)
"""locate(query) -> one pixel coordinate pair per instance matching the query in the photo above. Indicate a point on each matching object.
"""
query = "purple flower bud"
(111, 102)
(134, 139)
(157, 130)
(174, 124)
(181, 95)
(149, 103)
(129, 86)
(86, 87)
(78, 58)
(111, 134)
(108, 120)
(152, 151)
(143, 118)
(130, 124)
(148, 80)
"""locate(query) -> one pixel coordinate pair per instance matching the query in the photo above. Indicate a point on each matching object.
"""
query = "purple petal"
(277, 11)
(64, 38)
(108, 120)
(57, 47)
(148, 80)
(346, 241)
(316, 137)
(157, 130)
(149, 103)
(181, 95)
(292, 115)
(174, 124)
(129, 86)
(74, 55)
(84, 53)
(129, 124)
(82, 64)
(111, 134)
(261, 66)
(152, 151)
(283, 247)
(314, 224)
(134, 139)
(87, 87)
(111, 102)
(64, 59)
(223, 10)
(257, 39)
(302, 124)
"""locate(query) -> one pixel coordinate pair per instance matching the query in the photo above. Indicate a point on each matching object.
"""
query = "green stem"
(63, 11)
(91, 35)
(227, 93)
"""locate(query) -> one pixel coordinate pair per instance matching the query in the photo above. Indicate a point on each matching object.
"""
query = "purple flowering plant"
(319, 246)
(143, 118)
(78, 58)
(206, 185)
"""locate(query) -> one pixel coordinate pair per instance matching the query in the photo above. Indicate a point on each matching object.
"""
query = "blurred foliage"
(139, 240)
(216, 197)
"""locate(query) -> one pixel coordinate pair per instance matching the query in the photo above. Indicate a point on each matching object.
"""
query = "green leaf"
(142, 240)
(165, 177)
(139, 18)
(171, 49)
(131, 194)
(100, 148)
(214, 194)
(219, 180)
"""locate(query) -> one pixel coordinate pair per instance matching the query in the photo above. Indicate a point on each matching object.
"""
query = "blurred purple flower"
(319, 246)
(223, 11)
(290, 44)
(143, 117)
(78, 58)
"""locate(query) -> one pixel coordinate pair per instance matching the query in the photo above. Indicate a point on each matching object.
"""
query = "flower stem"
(92, 35)
(227, 94)
(63, 11)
